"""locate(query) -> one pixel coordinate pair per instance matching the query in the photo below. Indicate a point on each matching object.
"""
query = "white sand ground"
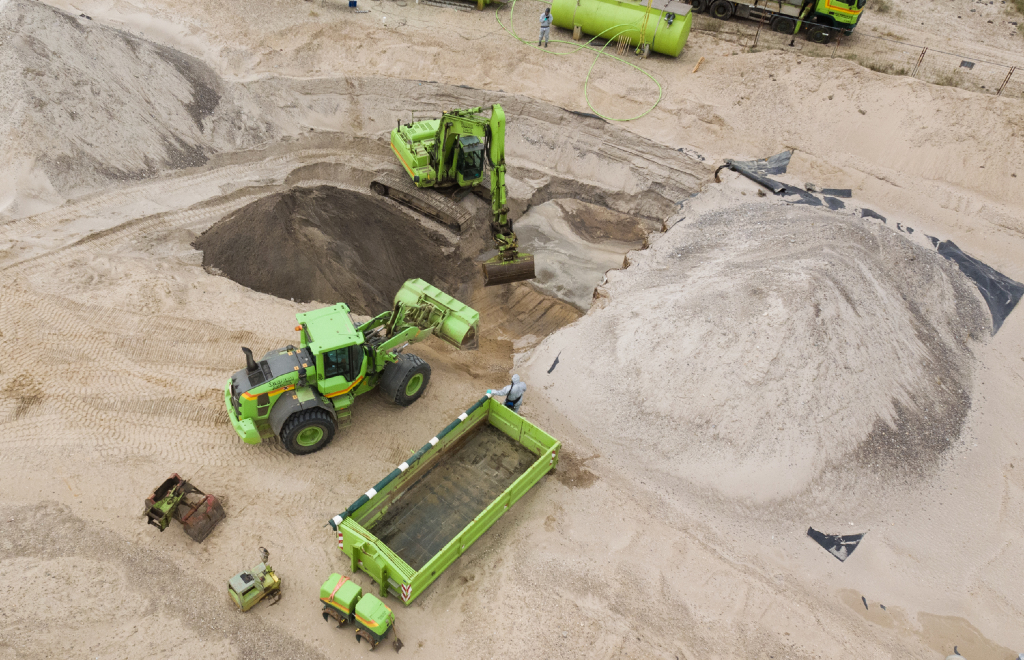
(115, 344)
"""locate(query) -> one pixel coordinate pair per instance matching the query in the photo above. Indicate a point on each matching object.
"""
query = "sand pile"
(84, 105)
(756, 347)
(329, 245)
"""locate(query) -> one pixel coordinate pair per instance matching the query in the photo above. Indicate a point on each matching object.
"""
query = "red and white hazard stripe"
(341, 540)
(406, 592)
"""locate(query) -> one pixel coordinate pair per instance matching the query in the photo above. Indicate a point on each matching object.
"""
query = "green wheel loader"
(303, 394)
(451, 152)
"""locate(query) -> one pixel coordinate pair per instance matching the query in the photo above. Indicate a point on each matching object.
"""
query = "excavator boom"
(510, 265)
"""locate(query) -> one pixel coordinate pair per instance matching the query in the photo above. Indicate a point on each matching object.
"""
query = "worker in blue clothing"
(512, 392)
(545, 27)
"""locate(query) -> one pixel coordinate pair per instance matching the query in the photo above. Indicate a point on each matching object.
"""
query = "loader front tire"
(308, 431)
(404, 381)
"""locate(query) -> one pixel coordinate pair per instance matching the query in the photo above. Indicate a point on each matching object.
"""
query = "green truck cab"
(823, 18)
(344, 601)
(303, 394)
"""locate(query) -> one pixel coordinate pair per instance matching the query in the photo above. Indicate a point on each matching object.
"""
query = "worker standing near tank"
(513, 393)
(545, 27)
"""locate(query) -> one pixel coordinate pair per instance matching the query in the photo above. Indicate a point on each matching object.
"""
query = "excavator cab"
(470, 160)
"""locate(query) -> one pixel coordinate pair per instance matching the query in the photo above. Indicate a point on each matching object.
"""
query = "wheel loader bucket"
(449, 319)
(199, 518)
(505, 271)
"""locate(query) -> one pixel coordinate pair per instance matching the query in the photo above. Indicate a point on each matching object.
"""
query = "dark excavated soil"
(329, 245)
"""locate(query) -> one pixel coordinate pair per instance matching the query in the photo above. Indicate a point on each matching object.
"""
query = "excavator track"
(428, 202)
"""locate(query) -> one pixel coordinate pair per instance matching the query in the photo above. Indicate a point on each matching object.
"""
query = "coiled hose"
(599, 52)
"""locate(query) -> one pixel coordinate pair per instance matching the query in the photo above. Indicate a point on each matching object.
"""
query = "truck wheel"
(820, 35)
(783, 25)
(722, 9)
(700, 6)
(307, 431)
(404, 381)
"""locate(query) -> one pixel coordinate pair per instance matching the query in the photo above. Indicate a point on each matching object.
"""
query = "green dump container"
(406, 530)
(667, 21)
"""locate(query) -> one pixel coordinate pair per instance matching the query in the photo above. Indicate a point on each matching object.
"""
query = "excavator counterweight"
(451, 153)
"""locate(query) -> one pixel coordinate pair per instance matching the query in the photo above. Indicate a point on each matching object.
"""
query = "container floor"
(439, 505)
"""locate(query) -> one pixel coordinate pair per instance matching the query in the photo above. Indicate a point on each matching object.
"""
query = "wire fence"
(877, 53)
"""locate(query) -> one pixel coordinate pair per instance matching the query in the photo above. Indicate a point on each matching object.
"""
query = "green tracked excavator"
(451, 152)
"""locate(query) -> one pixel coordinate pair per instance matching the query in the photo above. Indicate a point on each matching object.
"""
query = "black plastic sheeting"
(1000, 292)
(868, 213)
(834, 204)
(758, 170)
(841, 547)
(803, 196)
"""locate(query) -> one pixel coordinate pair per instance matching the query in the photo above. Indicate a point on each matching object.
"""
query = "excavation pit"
(329, 245)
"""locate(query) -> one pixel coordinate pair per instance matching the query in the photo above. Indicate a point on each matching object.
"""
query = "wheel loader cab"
(470, 164)
(337, 349)
(339, 368)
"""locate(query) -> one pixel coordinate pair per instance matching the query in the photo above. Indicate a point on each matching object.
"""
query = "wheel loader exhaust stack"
(451, 152)
(250, 363)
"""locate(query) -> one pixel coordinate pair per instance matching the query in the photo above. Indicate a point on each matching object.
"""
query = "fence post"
(764, 13)
(1006, 80)
(919, 60)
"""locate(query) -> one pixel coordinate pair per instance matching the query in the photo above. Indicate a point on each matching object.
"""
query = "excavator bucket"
(505, 271)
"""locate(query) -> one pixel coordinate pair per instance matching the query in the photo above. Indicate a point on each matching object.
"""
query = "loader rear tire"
(404, 381)
(307, 431)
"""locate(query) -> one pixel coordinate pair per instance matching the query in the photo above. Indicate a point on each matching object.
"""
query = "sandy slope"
(115, 344)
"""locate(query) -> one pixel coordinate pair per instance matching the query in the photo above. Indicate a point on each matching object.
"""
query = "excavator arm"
(510, 265)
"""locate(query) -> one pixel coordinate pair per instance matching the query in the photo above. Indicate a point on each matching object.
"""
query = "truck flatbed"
(405, 531)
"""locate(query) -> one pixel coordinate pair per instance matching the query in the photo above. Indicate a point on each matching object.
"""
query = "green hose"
(599, 53)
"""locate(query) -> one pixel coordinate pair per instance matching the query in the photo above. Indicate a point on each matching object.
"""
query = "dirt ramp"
(755, 348)
(329, 245)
